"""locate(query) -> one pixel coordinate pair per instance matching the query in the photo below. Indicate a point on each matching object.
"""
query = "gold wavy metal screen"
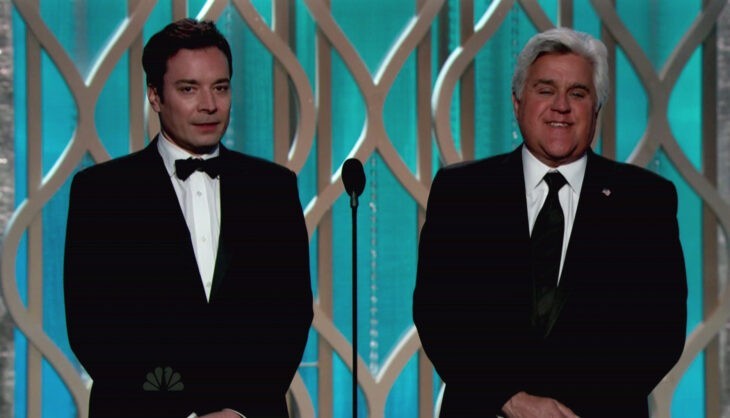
(315, 115)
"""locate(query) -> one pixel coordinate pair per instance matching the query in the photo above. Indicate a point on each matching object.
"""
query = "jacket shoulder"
(117, 169)
(255, 166)
(467, 173)
(631, 174)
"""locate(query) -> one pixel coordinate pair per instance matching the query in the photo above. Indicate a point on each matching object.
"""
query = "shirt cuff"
(229, 409)
(194, 415)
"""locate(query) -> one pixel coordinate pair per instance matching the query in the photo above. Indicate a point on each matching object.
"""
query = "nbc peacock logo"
(163, 379)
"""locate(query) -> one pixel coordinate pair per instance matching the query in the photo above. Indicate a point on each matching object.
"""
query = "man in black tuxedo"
(577, 311)
(187, 271)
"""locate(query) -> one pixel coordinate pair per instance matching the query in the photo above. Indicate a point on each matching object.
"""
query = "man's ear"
(154, 98)
(515, 104)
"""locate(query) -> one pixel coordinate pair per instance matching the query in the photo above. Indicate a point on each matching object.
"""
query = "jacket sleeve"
(454, 315)
(97, 333)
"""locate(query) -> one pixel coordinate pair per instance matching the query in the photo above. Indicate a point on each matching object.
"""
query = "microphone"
(353, 176)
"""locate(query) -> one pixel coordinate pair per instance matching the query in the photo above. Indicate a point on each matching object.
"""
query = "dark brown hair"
(182, 34)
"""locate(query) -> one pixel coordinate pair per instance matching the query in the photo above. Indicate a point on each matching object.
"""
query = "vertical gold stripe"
(565, 13)
(324, 242)
(35, 231)
(35, 309)
(425, 386)
(282, 106)
(137, 97)
(423, 102)
(424, 146)
(443, 35)
(710, 279)
(466, 88)
(608, 112)
(179, 9)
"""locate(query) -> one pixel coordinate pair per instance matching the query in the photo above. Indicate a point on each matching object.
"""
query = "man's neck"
(197, 152)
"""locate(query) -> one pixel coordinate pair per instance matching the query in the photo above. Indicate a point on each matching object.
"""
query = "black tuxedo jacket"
(622, 327)
(136, 310)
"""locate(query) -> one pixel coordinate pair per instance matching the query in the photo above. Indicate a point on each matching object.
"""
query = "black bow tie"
(184, 168)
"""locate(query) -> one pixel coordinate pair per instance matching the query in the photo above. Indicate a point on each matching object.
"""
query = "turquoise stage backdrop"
(389, 212)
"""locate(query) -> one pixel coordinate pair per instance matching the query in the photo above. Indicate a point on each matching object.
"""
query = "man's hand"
(524, 405)
(225, 413)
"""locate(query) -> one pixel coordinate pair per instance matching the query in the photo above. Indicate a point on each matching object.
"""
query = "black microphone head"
(353, 176)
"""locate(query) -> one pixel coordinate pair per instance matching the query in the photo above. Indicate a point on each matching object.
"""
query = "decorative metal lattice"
(375, 382)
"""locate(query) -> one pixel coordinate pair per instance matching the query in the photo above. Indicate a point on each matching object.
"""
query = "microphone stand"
(353, 178)
(353, 205)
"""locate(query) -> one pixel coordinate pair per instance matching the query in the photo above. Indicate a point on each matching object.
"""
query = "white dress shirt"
(199, 198)
(537, 191)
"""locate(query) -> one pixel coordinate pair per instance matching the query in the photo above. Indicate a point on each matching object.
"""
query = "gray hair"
(563, 41)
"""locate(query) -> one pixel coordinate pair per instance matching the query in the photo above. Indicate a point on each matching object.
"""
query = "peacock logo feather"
(163, 379)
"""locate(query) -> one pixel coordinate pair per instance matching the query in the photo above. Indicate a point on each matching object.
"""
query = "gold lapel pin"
(606, 192)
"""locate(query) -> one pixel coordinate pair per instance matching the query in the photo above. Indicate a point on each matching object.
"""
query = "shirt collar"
(170, 152)
(534, 170)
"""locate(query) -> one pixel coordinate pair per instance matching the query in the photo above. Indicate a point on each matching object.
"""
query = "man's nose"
(207, 101)
(561, 103)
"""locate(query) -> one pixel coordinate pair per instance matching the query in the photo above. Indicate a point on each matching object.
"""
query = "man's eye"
(222, 88)
(185, 89)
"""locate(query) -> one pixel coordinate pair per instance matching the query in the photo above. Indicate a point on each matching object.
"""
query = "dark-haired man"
(186, 273)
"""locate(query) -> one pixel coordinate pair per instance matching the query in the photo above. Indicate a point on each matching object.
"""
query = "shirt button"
(199, 193)
(203, 238)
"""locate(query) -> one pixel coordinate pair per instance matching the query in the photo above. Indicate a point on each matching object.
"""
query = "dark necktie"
(184, 168)
(546, 244)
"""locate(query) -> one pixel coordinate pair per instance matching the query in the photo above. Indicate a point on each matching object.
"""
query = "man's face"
(195, 109)
(557, 109)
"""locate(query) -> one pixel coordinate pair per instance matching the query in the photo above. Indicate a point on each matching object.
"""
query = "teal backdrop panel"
(388, 213)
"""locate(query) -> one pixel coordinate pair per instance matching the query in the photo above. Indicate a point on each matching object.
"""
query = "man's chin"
(205, 149)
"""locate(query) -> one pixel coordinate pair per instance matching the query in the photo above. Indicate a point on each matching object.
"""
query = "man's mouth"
(559, 124)
(205, 124)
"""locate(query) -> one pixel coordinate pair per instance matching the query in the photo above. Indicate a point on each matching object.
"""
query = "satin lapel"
(595, 199)
(515, 189)
(222, 262)
(509, 227)
(597, 186)
(162, 194)
(507, 202)
(228, 191)
(163, 204)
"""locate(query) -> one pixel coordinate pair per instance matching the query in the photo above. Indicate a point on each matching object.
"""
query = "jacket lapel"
(164, 205)
(594, 199)
(513, 188)
(228, 184)
(597, 187)
(163, 200)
